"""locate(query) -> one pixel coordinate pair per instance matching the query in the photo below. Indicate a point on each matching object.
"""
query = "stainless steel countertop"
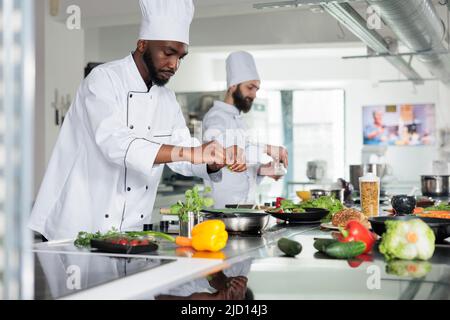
(273, 276)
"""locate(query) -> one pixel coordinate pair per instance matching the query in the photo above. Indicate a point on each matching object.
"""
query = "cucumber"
(345, 250)
(289, 247)
(322, 244)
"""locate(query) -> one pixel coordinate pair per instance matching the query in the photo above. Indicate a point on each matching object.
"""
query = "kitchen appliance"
(316, 170)
(435, 185)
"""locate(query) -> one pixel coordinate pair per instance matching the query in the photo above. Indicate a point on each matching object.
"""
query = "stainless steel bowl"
(242, 222)
(435, 185)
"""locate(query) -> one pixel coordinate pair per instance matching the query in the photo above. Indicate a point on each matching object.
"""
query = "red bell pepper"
(278, 202)
(355, 231)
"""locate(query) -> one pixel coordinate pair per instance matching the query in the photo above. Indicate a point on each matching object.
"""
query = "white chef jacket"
(102, 173)
(224, 123)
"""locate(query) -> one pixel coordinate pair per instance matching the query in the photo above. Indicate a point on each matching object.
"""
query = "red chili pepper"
(355, 231)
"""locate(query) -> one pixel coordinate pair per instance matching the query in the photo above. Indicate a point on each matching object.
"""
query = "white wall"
(60, 59)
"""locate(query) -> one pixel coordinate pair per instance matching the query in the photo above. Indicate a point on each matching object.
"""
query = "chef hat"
(241, 67)
(166, 20)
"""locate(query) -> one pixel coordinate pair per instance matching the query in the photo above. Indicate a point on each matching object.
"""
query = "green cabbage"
(407, 240)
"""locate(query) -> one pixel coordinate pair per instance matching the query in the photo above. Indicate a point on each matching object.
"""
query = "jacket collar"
(137, 83)
(228, 108)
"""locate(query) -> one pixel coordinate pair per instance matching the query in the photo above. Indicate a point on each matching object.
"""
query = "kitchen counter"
(66, 272)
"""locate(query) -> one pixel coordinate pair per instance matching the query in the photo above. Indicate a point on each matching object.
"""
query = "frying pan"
(240, 221)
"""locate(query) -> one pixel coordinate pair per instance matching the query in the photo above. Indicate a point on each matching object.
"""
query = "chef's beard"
(244, 104)
(152, 71)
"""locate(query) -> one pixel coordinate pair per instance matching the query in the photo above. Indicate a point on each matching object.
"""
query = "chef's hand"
(236, 157)
(217, 157)
(279, 154)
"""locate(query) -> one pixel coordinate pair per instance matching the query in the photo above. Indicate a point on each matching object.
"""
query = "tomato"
(123, 242)
(145, 242)
(134, 242)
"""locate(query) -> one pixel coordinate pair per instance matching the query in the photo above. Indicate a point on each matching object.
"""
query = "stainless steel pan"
(241, 222)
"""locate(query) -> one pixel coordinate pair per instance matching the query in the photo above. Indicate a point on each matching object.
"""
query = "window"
(318, 124)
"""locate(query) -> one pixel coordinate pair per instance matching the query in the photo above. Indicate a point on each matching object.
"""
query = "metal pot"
(357, 171)
(242, 222)
(435, 185)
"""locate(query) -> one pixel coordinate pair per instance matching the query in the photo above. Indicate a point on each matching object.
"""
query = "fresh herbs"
(84, 238)
(326, 202)
(194, 202)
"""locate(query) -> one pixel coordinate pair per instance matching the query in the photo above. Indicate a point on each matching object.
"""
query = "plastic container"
(369, 187)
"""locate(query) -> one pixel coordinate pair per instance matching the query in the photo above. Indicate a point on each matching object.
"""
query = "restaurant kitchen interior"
(328, 70)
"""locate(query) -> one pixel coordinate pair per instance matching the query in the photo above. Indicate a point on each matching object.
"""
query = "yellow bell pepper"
(206, 236)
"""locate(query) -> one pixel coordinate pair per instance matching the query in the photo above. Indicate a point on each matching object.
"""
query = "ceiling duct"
(349, 17)
(418, 26)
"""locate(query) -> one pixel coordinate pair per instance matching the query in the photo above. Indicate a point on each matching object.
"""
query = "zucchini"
(289, 247)
(322, 244)
(345, 250)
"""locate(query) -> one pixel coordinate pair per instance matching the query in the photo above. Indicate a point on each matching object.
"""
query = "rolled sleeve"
(141, 155)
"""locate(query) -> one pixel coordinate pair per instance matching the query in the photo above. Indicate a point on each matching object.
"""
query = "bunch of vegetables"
(354, 240)
(329, 203)
(408, 240)
(194, 202)
(207, 236)
(124, 238)
(326, 202)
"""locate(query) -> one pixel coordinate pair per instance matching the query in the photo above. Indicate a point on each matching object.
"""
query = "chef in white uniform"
(224, 123)
(121, 129)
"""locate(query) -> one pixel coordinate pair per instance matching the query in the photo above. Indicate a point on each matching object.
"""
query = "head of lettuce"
(407, 240)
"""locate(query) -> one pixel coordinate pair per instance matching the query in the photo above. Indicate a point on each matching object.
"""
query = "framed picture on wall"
(399, 125)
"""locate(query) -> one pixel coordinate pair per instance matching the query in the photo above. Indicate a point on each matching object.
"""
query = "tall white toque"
(167, 20)
(241, 67)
